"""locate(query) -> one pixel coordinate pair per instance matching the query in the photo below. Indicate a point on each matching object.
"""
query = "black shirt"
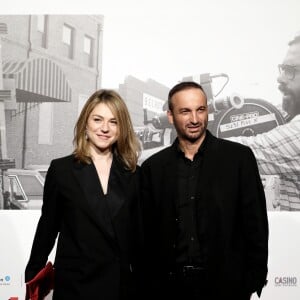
(189, 173)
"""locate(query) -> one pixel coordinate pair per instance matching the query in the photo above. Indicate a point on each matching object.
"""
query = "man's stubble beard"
(191, 138)
(291, 104)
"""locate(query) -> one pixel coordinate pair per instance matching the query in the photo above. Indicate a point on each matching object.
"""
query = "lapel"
(117, 187)
(168, 184)
(208, 207)
(210, 164)
(93, 202)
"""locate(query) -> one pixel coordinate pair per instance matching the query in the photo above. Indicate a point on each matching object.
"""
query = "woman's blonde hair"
(126, 148)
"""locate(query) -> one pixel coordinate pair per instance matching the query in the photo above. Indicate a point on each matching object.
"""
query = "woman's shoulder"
(62, 161)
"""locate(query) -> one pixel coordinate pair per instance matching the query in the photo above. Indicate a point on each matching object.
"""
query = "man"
(278, 151)
(204, 211)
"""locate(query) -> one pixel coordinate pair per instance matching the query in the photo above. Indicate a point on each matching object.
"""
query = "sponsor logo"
(285, 281)
(5, 280)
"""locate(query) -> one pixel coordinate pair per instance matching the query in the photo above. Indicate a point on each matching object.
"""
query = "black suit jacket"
(96, 242)
(231, 213)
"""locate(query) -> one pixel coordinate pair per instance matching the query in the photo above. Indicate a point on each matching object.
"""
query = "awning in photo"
(38, 80)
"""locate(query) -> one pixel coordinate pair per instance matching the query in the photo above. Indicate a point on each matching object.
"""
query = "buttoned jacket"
(96, 242)
(232, 223)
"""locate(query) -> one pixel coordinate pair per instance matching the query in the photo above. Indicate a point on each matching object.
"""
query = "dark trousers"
(180, 286)
(185, 284)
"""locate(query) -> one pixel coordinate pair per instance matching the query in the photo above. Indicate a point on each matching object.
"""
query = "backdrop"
(142, 49)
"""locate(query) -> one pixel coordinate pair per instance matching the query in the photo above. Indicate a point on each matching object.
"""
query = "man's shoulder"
(226, 146)
(230, 144)
(159, 156)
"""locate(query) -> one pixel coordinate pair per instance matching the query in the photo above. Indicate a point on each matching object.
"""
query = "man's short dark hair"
(184, 85)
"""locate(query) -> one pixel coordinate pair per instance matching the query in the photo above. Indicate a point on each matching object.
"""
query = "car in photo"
(42, 169)
(23, 189)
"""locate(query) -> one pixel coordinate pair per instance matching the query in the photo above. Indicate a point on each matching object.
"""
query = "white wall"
(165, 41)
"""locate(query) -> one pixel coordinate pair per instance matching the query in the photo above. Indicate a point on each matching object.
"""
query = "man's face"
(189, 114)
(289, 80)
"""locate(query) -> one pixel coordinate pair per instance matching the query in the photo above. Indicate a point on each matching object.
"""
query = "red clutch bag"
(41, 285)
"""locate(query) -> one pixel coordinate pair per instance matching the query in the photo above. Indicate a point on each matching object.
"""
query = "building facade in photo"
(50, 66)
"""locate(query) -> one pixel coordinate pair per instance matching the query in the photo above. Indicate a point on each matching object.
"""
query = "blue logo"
(5, 280)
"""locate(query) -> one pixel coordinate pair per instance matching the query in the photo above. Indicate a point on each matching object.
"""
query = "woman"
(90, 202)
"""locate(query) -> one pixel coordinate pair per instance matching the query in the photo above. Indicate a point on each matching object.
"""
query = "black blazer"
(232, 218)
(96, 241)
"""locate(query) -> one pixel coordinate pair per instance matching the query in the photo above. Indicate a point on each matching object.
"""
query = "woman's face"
(102, 128)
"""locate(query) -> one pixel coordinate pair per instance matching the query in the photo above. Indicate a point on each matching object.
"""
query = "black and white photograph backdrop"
(53, 57)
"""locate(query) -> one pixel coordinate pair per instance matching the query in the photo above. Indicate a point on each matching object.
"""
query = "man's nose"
(282, 79)
(194, 117)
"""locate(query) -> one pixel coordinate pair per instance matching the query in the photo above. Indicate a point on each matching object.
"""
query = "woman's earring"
(86, 136)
